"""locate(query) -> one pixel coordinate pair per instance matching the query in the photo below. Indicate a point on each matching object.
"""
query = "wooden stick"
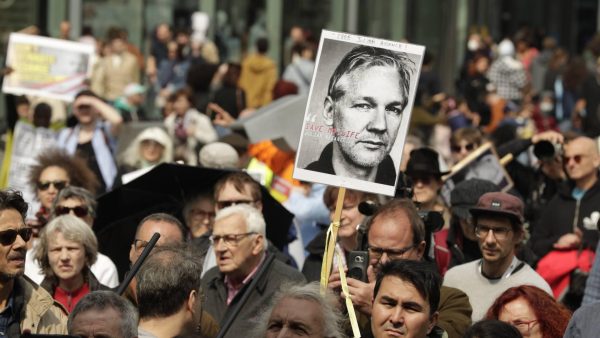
(331, 240)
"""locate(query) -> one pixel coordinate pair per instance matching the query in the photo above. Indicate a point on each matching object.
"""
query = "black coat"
(215, 290)
(562, 214)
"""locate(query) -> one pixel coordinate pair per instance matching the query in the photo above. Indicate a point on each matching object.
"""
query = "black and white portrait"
(358, 112)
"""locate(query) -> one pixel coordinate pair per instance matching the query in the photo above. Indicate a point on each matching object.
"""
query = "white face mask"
(473, 45)
(546, 106)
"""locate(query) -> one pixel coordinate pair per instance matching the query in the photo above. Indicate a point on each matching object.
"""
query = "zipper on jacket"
(576, 218)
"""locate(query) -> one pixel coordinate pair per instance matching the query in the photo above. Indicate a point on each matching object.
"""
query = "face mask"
(546, 107)
(473, 45)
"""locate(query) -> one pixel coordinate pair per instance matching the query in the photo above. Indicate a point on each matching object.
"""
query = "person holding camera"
(563, 222)
(350, 221)
(396, 231)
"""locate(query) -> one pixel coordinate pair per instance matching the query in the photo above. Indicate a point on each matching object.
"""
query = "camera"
(546, 150)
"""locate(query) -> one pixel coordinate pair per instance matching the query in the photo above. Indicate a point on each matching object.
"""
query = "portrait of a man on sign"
(366, 104)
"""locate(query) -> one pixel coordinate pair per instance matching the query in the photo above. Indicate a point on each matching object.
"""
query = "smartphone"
(358, 262)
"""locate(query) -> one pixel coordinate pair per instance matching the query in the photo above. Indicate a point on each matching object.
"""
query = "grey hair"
(165, 281)
(333, 321)
(81, 194)
(73, 229)
(255, 222)
(102, 300)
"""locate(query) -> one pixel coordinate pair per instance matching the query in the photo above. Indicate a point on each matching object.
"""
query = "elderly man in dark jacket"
(245, 277)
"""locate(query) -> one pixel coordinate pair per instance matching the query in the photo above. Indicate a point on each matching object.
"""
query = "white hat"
(506, 48)
(218, 155)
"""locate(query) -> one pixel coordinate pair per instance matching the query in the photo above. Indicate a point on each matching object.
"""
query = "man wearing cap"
(498, 219)
(461, 240)
(130, 104)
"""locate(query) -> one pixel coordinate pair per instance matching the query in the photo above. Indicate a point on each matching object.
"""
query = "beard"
(7, 277)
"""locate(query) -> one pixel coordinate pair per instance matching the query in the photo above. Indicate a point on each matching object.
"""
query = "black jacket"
(386, 171)
(215, 290)
(562, 214)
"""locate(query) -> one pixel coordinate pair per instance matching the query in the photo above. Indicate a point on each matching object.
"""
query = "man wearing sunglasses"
(567, 221)
(240, 246)
(78, 202)
(24, 306)
(397, 232)
(498, 219)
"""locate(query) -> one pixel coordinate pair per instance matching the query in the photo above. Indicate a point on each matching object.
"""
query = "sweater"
(483, 292)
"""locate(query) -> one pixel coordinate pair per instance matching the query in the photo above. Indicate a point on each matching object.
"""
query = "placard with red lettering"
(358, 112)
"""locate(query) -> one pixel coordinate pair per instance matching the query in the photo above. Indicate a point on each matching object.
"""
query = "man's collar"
(248, 277)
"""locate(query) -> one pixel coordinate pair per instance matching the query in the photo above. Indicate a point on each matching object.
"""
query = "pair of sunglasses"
(58, 185)
(467, 147)
(79, 211)
(576, 158)
(8, 237)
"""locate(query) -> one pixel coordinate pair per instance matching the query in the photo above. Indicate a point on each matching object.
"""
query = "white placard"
(47, 67)
(353, 133)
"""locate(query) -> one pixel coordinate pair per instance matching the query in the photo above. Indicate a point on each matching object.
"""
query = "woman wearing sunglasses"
(67, 249)
(55, 170)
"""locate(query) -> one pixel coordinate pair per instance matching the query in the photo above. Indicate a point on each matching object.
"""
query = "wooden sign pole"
(331, 240)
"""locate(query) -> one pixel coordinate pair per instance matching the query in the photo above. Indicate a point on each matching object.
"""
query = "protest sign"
(483, 163)
(47, 67)
(358, 112)
(28, 142)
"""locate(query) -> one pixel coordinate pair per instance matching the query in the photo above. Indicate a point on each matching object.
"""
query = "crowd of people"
(507, 252)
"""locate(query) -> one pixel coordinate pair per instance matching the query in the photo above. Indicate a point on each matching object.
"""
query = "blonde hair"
(73, 229)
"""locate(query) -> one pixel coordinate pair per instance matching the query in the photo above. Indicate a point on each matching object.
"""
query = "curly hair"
(552, 316)
(79, 173)
(13, 199)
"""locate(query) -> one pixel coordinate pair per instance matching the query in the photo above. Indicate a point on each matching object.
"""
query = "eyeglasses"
(58, 185)
(467, 147)
(524, 326)
(481, 231)
(202, 213)
(376, 253)
(139, 244)
(79, 211)
(8, 237)
(225, 204)
(229, 239)
(576, 158)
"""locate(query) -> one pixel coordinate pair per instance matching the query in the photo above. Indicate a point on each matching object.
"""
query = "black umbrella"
(165, 189)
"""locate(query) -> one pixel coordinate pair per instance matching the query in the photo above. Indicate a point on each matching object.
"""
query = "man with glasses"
(568, 221)
(234, 189)
(78, 202)
(498, 219)
(24, 306)
(397, 232)
(240, 246)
